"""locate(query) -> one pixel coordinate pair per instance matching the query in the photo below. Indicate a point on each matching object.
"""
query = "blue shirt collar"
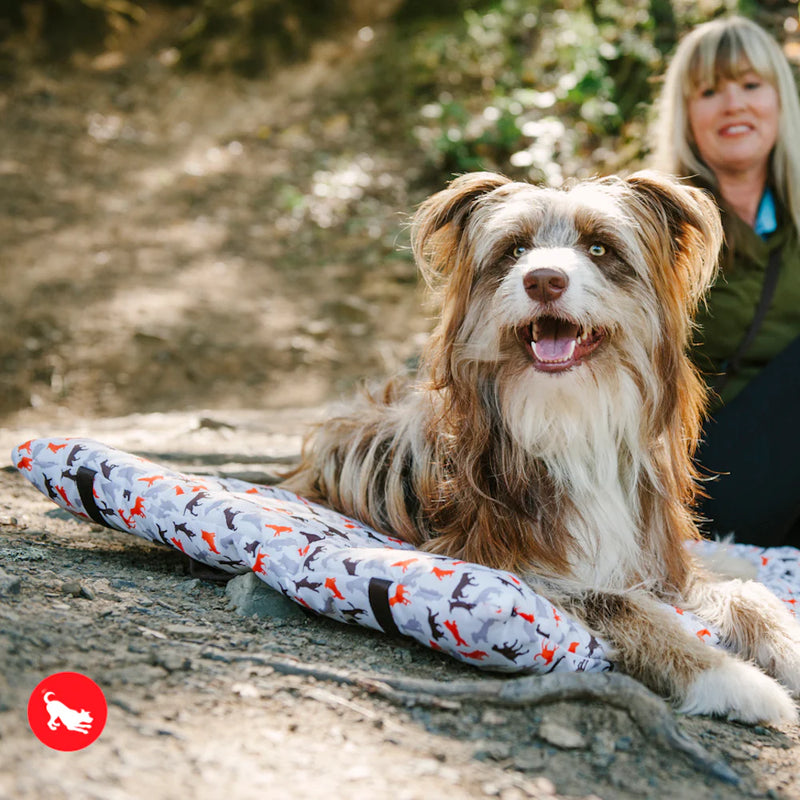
(766, 218)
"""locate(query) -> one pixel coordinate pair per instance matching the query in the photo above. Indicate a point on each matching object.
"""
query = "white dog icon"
(78, 721)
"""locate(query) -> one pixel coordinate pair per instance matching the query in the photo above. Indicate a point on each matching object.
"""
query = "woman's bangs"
(727, 57)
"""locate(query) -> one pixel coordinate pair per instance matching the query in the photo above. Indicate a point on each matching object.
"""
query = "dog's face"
(559, 291)
(559, 281)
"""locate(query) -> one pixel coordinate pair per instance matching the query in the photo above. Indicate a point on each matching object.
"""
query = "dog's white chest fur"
(587, 434)
(608, 550)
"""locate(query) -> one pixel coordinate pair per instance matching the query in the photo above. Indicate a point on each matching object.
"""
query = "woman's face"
(735, 123)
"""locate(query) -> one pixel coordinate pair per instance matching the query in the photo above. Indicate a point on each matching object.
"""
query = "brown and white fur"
(569, 459)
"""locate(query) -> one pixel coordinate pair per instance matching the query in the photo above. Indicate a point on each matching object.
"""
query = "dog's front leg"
(650, 644)
(752, 622)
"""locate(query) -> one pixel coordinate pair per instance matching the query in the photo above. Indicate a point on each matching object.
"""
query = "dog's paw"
(781, 659)
(739, 691)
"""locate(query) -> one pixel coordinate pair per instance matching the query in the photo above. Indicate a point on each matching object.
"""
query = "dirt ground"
(178, 251)
(176, 240)
(195, 710)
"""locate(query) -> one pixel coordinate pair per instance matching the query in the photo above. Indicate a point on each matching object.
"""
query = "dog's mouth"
(555, 344)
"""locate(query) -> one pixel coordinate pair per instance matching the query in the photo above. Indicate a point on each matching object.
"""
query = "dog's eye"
(597, 249)
(519, 250)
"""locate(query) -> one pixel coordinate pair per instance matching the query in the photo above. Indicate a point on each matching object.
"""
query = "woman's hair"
(727, 48)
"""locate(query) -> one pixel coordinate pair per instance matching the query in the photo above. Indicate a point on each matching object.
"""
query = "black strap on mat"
(731, 366)
(379, 603)
(85, 481)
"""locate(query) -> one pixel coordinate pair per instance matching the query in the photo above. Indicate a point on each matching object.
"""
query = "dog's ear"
(680, 233)
(681, 229)
(439, 221)
(439, 244)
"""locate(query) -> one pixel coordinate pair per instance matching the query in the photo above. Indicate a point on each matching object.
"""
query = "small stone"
(172, 661)
(77, 589)
(492, 717)
(544, 786)
(530, 759)
(492, 751)
(250, 595)
(9, 584)
(561, 736)
(87, 592)
(72, 588)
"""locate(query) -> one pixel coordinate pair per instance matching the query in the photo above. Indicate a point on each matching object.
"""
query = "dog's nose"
(545, 285)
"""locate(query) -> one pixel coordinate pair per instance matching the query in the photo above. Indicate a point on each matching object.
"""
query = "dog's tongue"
(556, 339)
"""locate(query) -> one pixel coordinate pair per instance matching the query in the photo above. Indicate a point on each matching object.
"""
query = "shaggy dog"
(551, 427)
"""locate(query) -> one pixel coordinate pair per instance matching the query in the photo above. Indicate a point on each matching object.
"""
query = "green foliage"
(536, 89)
(499, 85)
(423, 11)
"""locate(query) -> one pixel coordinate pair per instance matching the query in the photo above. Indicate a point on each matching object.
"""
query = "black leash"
(731, 365)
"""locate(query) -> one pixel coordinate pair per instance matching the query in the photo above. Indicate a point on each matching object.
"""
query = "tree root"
(649, 712)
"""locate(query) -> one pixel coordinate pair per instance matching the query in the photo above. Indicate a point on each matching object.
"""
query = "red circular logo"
(67, 711)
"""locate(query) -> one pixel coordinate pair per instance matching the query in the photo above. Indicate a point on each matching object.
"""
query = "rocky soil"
(197, 706)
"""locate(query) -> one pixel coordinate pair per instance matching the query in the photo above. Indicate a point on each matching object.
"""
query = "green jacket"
(732, 300)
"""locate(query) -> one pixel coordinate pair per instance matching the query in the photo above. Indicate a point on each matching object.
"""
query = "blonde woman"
(729, 121)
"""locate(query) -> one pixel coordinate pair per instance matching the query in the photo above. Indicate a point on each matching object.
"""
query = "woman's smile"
(735, 123)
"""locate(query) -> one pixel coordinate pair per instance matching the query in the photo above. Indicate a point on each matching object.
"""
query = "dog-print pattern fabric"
(336, 566)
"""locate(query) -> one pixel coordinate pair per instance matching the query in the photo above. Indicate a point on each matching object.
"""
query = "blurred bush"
(249, 36)
(252, 36)
(535, 88)
(56, 28)
(539, 90)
